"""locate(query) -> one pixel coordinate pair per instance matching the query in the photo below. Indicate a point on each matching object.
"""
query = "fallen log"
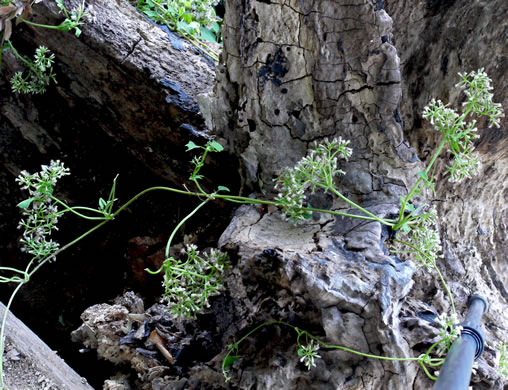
(31, 364)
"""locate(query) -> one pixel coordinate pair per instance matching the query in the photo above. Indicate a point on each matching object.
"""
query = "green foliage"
(41, 216)
(502, 359)
(195, 20)
(308, 354)
(191, 281)
(315, 171)
(72, 21)
(449, 332)
(184, 15)
(39, 72)
(318, 171)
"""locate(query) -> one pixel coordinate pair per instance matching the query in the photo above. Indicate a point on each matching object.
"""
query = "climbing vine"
(192, 278)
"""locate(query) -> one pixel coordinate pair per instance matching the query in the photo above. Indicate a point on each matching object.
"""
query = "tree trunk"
(300, 71)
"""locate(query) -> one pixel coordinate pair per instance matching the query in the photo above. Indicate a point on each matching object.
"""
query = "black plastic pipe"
(456, 371)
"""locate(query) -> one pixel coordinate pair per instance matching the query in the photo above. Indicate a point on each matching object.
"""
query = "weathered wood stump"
(30, 364)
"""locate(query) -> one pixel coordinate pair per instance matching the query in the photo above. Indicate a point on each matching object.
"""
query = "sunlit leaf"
(423, 174)
(191, 145)
(215, 27)
(217, 147)
(229, 360)
(207, 35)
(26, 203)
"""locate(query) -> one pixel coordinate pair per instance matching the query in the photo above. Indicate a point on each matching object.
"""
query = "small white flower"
(308, 354)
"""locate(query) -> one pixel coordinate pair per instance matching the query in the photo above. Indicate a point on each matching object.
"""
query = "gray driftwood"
(31, 365)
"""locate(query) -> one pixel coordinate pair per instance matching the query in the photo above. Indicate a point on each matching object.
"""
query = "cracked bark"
(354, 92)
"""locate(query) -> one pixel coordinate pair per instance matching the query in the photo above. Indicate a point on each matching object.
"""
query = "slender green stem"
(20, 57)
(186, 272)
(168, 245)
(12, 279)
(79, 208)
(372, 215)
(445, 287)
(48, 258)
(39, 25)
(12, 270)
(427, 371)
(414, 189)
(244, 200)
(73, 210)
(301, 332)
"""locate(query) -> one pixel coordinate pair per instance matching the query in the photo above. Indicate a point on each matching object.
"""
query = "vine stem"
(39, 25)
(66, 246)
(300, 332)
(229, 198)
(168, 245)
(371, 215)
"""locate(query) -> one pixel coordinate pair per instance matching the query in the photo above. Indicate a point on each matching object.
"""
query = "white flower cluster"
(317, 170)
(449, 332)
(308, 354)
(459, 133)
(40, 73)
(477, 87)
(440, 115)
(41, 216)
(465, 166)
(190, 282)
(425, 238)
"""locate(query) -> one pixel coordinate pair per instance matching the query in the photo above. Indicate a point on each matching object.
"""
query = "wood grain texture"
(44, 361)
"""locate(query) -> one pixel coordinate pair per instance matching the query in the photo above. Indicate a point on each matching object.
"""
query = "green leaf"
(26, 203)
(410, 207)
(207, 35)
(182, 26)
(405, 229)
(215, 28)
(195, 26)
(300, 352)
(222, 188)
(423, 174)
(216, 147)
(187, 18)
(150, 13)
(102, 204)
(229, 360)
(309, 214)
(191, 145)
